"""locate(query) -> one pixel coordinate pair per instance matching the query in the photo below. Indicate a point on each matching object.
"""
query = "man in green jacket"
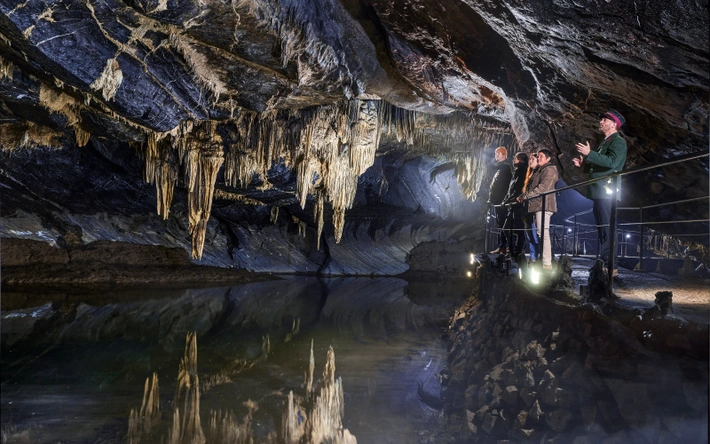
(609, 157)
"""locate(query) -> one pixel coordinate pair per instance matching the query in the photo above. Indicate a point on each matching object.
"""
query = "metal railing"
(613, 224)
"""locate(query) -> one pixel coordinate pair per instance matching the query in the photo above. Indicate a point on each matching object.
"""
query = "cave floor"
(691, 296)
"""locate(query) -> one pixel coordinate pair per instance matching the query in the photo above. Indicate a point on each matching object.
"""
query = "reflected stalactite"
(326, 419)
(186, 427)
(141, 422)
(311, 370)
(318, 416)
(226, 428)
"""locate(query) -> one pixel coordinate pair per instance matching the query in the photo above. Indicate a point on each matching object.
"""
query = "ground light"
(534, 276)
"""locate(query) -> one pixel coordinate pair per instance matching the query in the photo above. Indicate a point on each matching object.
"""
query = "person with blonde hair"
(496, 194)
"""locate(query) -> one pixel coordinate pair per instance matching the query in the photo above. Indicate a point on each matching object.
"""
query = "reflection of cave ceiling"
(319, 85)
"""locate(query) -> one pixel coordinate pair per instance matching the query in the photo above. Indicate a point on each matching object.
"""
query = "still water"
(74, 368)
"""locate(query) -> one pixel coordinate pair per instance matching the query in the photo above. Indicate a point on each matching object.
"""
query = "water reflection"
(73, 371)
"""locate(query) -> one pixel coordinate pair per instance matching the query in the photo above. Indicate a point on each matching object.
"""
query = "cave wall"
(73, 198)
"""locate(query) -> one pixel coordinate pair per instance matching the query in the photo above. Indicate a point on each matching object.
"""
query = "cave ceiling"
(323, 86)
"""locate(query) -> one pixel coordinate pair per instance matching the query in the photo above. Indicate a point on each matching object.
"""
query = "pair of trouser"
(546, 242)
(602, 215)
(501, 213)
(531, 234)
(514, 222)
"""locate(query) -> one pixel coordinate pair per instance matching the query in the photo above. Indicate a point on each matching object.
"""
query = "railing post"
(612, 232)
(641, 225)
(510, 230)
(486, 233)
(542, 229)
(564, 238)
(576, 237)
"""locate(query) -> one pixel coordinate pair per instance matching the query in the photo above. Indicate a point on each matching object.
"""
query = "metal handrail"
(612, 222)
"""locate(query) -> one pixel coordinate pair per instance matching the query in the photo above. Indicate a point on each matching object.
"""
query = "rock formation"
(234, 108)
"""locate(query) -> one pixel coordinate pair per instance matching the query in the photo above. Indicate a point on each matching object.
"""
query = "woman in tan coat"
(544, 180)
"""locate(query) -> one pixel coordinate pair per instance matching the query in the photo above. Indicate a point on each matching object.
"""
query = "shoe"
(615, 272)
(547, 267)
(499, 251)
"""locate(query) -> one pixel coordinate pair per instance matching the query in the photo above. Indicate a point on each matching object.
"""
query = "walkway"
(691, 296)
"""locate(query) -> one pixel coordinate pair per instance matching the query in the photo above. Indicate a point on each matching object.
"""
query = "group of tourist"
(522, 209)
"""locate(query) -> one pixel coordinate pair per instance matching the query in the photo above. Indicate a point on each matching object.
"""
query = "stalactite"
(6, 69)
(469, 172)
(27, 134)
(204, 159)
(241, 160)
(301, 226)
(318, 209)
(198, 63)
(109, 81)
(274, 215)
(186, 420)
(160, 168)
(82, 137)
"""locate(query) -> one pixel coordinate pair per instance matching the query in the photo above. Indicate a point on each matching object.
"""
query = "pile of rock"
(526, 367)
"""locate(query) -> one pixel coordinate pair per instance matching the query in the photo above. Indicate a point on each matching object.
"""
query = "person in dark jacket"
(497, 191)
(609, 157)
(542, 181)
(516, 211)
